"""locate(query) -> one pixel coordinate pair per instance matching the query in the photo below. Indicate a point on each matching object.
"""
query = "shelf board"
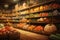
(32, 17)
(43, 17)
(41, 22)
(10, 22)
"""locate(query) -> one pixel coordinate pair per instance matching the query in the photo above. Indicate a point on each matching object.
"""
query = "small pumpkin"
(40, 20)
(38, 29)
(31, 27)
(41, 8)
(26, 26)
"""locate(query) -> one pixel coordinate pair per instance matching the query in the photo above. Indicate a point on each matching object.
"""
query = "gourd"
(38, 29)
(41, 8)
(40, 20)
(31, 27)
(26, 26)
(50, 28)
(1, 26)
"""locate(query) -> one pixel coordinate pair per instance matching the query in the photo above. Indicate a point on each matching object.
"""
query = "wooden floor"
(25, 35)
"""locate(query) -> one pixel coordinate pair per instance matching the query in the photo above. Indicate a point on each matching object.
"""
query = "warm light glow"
(15, 0)
(6, 5)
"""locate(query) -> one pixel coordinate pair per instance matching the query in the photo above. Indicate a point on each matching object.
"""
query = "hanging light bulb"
(6, 5)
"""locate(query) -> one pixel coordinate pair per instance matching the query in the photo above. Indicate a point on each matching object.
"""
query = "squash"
(21, 25)
(41, 8)
(40, 15)
(31, 10)
(1, 25)
(36, 9)
(50, 28)
(31, 27)
(40, 20)
(26, 26)
(38, 29)
(46, 7)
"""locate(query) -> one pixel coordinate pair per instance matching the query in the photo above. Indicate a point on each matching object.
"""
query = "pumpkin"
(26, 26)
(41, 8)
(50, 28)
(31, 10)
(43, 14)
(46, 7)
(40, 14)
(9, 27)
(41, 20)
(21, 25)
(31, 27)
(38, 29)
(3, 29)
(23, 20)
(36, 9)
(46, 14)
(1, 25)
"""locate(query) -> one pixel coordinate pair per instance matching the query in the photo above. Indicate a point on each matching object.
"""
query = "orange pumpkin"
(21, 25)
(31, 10)
(23, 20)
(41, 8)
(36, 9)
(46, 7)
(38, 29)
(40, 15)
(46, 14)
(3, 30)
(43, 14)
(26, 26)
(31, 27)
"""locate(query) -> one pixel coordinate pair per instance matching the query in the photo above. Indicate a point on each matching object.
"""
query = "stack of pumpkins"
(24, 20)
(47, 20)
(38, 29)
(48, 29)
(8, 33)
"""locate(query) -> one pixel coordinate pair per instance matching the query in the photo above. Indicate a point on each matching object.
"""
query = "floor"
(25, 35)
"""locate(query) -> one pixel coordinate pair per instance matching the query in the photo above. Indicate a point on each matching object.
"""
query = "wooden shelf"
(43, 17)
(49, 10)
(47, 2)
(41, 22)
(9, 22)
(30, 17)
